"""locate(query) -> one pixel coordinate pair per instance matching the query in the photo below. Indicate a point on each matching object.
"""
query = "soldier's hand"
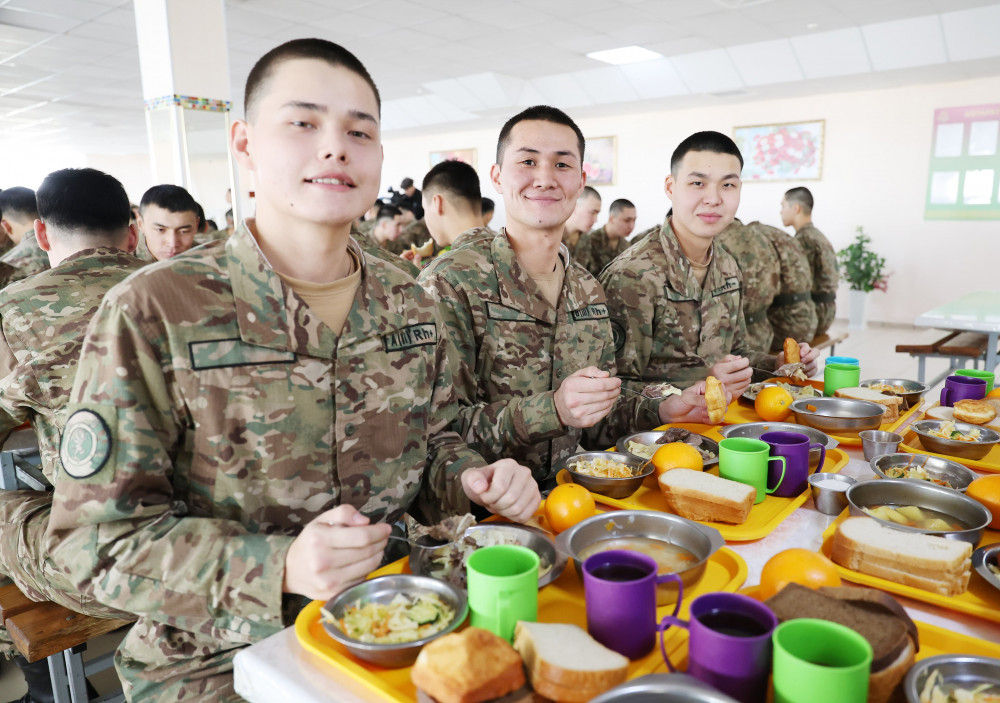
(413, 257)
(505, 488)
(586, 396)
(734, 372)
(338, 548)
(809, 356)
(689, 406)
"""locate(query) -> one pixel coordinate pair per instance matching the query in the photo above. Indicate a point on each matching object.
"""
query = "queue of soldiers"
(234, 429)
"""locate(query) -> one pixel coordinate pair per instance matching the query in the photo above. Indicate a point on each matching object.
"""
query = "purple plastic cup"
(795, 447)
(730, 644)
(958, 388)
(620, 591)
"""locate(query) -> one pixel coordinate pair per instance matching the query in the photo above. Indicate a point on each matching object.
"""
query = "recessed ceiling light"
(625, 54)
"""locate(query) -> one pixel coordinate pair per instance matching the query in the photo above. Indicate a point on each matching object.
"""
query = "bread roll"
(792, 355)
(696, 495)
(976, 412)
(715, 400)
(467, 667)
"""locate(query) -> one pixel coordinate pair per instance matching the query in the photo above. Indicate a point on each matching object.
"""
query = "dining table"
(974, 312)
(280, 668)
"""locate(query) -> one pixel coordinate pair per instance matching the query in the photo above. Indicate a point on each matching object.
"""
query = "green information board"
(964, 177)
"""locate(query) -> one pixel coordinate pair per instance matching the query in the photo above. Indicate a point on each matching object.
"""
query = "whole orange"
(995, 393)
(797, 566)
(677, 455)
(567, 505)
(986, 490)
(773, 404)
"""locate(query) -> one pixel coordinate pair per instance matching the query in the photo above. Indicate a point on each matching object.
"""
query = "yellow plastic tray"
(737, 413)
(981, 600)
(989, 463)
(764, 517)
(560, 601)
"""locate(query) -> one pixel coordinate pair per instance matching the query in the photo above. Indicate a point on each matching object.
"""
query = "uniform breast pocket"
(515, 352)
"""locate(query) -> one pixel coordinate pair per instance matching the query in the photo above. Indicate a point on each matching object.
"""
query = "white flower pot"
(858, 319)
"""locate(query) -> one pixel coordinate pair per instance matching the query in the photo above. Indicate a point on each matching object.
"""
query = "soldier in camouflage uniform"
(452, 205)
(25, 258)
(84, 225)
(761, 279)
(796, 211)
(597, 248)
(675, 299)
(213, 433)
(792, 312)
(372, 248)
(169, 220)
(18, 212)
(531, 349)
(585, 214)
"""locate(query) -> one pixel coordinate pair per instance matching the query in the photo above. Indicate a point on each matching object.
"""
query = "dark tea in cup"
(734, 624)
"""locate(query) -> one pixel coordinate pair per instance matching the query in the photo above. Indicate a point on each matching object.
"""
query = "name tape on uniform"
(410, 337)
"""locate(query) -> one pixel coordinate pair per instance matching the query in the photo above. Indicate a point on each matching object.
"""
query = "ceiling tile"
(606, 85)
(494, 90)
(673, 10)
(886, 10)
(37, 21)
(972, 34)
(837, 53)
(244, 22)
(655, 79)
(676, 47)
(562, 90)
(708, 71)
(918, 41)
(79, 10)
(406, 14)
(726, 29)
(764, 63)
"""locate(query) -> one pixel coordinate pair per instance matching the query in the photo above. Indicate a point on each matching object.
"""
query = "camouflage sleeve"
(15, 381)
(492, 428)
(115, 494)
(583, 252)
(758, 359)
(634, 318)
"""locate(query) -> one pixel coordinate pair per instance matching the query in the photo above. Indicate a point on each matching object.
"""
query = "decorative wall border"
(189, 102)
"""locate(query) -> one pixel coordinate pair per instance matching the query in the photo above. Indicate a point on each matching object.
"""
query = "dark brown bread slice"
(876, 601)
(886, 633)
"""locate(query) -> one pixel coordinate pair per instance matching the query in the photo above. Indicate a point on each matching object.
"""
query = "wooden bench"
(957, 347)
(50, 631)
(827, 340)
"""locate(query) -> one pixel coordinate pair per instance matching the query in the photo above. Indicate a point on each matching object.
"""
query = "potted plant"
(864, 271)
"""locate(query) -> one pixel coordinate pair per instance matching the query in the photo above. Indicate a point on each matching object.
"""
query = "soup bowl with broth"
(678, 546)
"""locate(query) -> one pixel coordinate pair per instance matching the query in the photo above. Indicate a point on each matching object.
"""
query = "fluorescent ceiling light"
(625, 54)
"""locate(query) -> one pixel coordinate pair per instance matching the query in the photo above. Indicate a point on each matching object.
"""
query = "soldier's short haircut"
(83, 200)
(619, 205)
(458, 181)
(388, 212)
(802, 196)
(487, 205)
(715, 142)
(19, 202)
(169, 197)
(320, 49)
(200, 211)
(590, 192)
(543, 113)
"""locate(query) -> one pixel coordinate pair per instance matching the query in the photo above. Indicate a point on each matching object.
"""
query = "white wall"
(875, 165)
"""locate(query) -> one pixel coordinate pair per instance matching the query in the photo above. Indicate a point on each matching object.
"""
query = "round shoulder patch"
(618, 334)
(86, 444)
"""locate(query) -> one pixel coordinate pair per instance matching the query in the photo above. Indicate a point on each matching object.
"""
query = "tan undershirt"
(701, 270)
(331, 302)
(551, 283)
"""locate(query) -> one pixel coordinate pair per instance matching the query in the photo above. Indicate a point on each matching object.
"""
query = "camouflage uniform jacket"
(6, 243)
(371, 247)
(472, 235)
(792, 312)
(826, 276)
(27, 257)
(43, 321)
(142, 250)
(206, 429)
(414, 233)
(667, 327)
(511, 350)
(594, 250)
(761, 278)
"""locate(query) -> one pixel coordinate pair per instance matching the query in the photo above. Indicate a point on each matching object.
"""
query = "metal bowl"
(830, 500)
(913, 391)
(953, 447)
(653, 436)
(957, 476)
(610, 487)
(963, 670)
(533, 538)
(753, 430)
(982, 558)
(382, 590)
(749, 397)
(899, 491)
(663, 688)
(702, 541)
(843, 416)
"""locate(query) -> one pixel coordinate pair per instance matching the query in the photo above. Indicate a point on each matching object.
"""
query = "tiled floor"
(874, 347)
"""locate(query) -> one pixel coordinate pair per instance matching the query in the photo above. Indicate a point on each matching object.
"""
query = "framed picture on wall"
(600, 162)
(791, 151)
(466, 156)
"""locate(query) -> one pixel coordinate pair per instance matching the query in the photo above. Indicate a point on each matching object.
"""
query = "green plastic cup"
(840, 376)
(503, 588)
(976, 373)
(745, 460)
(820, 662)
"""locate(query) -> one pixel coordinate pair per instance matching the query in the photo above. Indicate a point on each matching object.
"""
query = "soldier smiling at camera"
(248, 442)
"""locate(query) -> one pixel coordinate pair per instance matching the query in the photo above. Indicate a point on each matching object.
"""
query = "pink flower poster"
(781, 152)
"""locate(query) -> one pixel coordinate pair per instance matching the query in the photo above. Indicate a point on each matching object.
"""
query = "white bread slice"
(700, 496)
(468, 667)
(565, 663)
(923, 561)
(892, 402)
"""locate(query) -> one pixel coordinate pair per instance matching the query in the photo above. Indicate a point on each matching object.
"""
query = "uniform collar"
(679, 274)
